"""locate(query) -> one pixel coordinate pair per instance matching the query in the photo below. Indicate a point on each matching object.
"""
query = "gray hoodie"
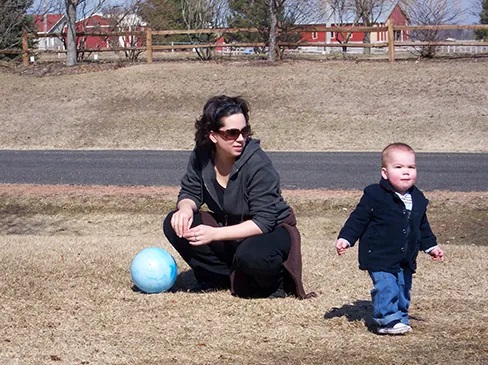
(253, 190)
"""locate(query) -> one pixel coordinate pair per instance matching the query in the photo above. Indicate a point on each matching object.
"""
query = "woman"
(247, 240)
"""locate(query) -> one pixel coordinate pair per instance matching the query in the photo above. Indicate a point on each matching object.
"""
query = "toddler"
(391, 224)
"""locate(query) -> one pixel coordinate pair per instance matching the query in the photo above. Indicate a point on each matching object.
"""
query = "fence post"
(149, 57)
(391, 42)
(25, 49)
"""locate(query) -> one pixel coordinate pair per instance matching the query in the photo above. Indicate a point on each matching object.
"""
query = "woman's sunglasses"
(234, 133)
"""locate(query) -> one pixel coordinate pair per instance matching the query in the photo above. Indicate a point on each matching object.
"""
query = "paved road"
(302, 170)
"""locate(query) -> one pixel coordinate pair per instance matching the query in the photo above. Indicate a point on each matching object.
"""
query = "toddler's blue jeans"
(391, 296)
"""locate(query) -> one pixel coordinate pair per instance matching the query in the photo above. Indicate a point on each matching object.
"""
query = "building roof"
(94, 20)
(381, 14)
(386, 11)
(50, 21)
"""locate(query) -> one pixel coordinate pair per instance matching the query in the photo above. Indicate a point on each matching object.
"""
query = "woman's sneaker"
(394, 328)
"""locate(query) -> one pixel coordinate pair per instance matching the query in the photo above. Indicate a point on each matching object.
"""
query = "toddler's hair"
(393, 146)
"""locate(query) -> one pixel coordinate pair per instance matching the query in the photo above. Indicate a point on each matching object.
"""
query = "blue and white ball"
(153, 270)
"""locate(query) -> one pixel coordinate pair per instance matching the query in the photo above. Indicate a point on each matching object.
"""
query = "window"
(314, 35)
(397, 35)
(332, 35)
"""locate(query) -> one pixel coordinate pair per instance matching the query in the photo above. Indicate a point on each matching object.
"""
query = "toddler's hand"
(341, 246)
(437, 254)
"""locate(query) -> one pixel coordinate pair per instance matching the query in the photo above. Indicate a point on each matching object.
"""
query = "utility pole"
(45, 24)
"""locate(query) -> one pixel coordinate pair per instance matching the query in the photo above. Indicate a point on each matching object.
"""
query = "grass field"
(65, 251)
(437, 106)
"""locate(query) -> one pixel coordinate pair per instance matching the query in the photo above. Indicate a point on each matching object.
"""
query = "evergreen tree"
(256, 14)
(249, 14)
(13, 20)
(482, 34)
(163, 15)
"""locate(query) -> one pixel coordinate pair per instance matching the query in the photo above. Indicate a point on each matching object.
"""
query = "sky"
(470, 7)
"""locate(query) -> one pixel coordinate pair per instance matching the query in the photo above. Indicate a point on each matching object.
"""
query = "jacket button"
(402, 249)
(404, 231)
(404, 211)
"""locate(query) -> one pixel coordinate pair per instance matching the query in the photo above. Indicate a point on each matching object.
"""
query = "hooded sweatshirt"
(252, 192)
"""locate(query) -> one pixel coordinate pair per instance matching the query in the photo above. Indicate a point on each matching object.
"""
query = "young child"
(391, 224)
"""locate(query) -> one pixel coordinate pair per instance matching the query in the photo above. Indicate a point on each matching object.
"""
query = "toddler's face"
(400, 170)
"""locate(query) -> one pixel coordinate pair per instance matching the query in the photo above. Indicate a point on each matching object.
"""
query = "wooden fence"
(149, 47)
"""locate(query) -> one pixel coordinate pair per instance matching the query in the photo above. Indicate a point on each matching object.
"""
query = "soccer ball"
(153, 270)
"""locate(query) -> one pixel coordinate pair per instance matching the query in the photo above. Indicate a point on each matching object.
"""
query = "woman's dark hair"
(217, 108)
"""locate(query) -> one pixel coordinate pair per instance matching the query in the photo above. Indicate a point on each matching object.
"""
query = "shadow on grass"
(360, 310)
(184, 282)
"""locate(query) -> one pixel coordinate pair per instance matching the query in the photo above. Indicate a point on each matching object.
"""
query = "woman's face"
(231, 138)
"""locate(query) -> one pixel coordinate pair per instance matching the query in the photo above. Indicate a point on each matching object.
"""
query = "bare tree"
(351, 13)
(125, 18)
(344, 14)
(369, 11)
(430, 12)
(83, 9)
(74, 7)
(273, 7)
(204, 14)
(71, 52)
(275, 20)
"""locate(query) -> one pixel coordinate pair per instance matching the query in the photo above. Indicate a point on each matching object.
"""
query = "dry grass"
(67, 298)
(65, 251)
(297, 105)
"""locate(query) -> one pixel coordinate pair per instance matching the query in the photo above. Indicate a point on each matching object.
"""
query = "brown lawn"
(65, 251)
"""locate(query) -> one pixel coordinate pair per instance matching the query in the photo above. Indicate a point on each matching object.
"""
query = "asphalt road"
(298, 170)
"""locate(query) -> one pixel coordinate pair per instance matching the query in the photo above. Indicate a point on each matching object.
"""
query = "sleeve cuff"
(343, 239)
(431, 248)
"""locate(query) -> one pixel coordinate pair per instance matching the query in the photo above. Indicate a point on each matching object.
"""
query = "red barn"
(95, 23)
(98, 23)
(394, 13)
(45, 24)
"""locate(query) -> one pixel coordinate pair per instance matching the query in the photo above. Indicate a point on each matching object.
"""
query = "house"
(49, 24)
(131, 22)
(96, 23)
(392, 12)
(56, 23)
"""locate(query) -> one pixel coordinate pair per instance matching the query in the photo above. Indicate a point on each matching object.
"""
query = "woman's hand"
(201, 235)
(182, 219)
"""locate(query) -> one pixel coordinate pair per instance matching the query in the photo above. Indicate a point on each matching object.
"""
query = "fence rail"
(149, 47)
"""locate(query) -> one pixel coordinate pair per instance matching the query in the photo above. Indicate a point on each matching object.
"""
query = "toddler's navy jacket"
(390, 237)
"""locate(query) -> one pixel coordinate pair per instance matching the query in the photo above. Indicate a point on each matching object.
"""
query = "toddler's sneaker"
(394, 328)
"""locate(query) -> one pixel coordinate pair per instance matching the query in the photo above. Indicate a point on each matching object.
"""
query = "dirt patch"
(44, 69)
(457, 218)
